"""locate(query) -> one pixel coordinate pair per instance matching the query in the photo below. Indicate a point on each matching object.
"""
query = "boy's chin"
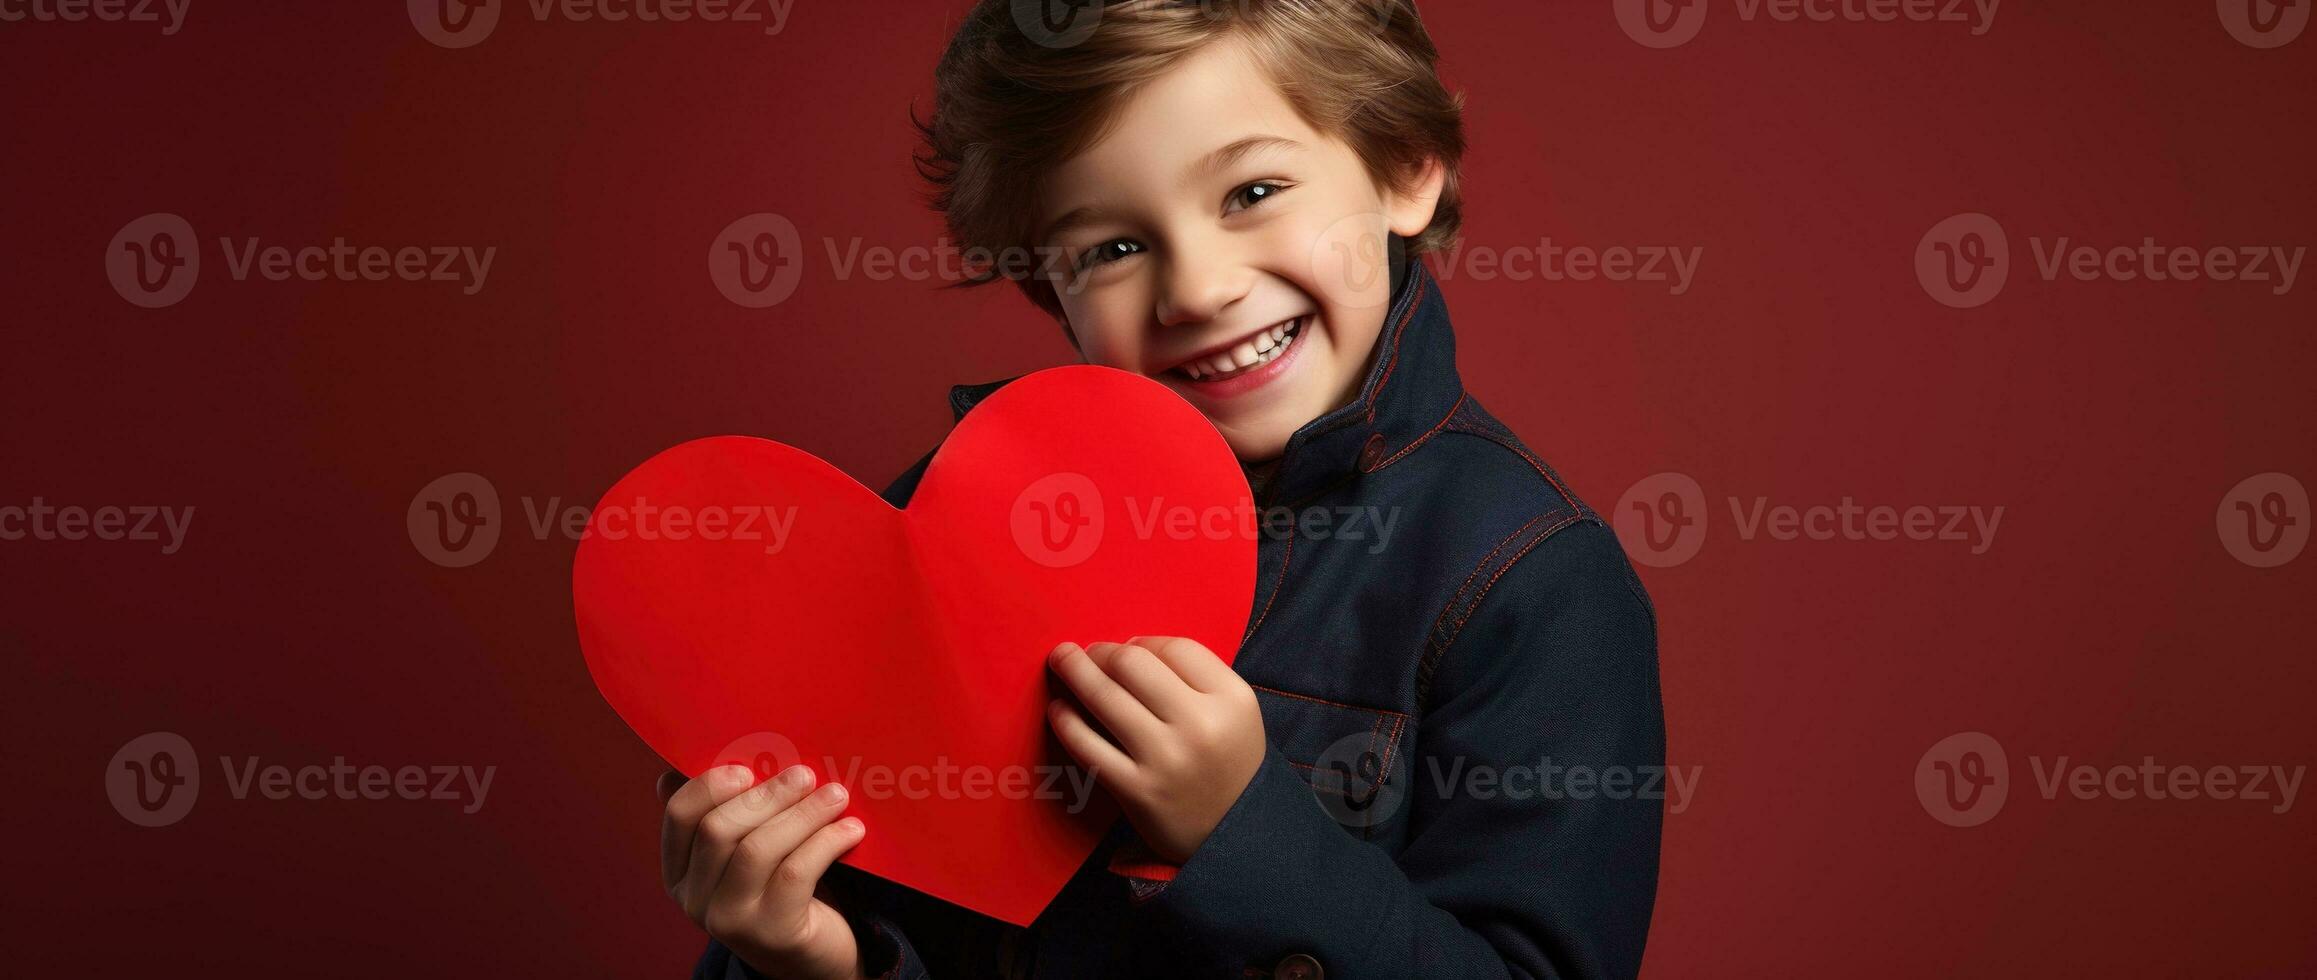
(1257, 442)
(1259, 433)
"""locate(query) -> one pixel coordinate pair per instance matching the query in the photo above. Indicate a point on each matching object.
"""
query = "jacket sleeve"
(1549, 874)
(885, 950)
(885, 954)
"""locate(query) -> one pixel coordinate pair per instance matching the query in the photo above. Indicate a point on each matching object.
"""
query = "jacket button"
(1372, 454)
(1298, 966)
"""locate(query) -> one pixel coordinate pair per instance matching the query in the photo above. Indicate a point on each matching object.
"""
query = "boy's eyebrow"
(1220, 159)
(1070, 222)
(1237, 150)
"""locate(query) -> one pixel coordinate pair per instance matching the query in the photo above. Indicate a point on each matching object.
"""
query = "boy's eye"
(1254, 194)
(1110, 251)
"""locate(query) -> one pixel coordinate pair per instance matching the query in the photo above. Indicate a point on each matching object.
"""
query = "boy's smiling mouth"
(1243, 364)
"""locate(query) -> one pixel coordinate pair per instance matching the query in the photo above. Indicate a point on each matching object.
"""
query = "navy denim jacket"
(1443, 637)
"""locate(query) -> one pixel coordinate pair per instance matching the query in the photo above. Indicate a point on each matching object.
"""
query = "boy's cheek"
(1102, 339)
(1350, 265)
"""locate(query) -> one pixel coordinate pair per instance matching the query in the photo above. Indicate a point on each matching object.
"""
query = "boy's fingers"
(670, 782)
(793, 883)
(724, 827)
(760, 854)
(1085, 744)
(1145, 676)
(1191, 661)
(1117, 708)
(680, 820)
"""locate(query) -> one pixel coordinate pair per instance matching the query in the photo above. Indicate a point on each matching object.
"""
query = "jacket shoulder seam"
(1474, 422)
(1468, 595)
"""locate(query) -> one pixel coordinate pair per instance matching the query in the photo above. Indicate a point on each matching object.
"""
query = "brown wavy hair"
(1011, 104)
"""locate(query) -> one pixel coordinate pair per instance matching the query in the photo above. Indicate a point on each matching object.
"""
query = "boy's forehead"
(1214, 97)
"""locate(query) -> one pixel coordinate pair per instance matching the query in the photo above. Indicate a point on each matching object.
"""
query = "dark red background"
(1807, 678)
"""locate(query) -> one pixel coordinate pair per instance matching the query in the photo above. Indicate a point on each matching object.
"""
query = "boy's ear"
(1410, 209)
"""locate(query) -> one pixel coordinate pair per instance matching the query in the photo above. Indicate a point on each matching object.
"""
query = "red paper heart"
(811, 621)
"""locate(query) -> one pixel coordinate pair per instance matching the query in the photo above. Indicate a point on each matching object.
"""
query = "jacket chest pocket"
(1350, 755)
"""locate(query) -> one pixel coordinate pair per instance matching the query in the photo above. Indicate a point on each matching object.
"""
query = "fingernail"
(853, 825)
(796, 775)
(832, 793)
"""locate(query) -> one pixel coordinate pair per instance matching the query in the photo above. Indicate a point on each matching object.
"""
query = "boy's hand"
(1188, 733)
(744, 861)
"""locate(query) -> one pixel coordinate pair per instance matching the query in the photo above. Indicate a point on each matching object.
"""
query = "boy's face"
(1217, 243)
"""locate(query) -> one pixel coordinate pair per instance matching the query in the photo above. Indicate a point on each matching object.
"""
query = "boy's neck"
(1259, 475)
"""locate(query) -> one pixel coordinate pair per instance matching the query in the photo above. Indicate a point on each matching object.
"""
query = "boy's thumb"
(670, 782)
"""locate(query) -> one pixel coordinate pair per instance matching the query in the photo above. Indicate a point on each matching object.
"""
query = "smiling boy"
(1232, 198)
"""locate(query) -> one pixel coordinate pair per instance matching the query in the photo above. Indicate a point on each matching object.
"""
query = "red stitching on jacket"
(1435, 644)
(1337, 704)
(1527, 457)
(1428, 434)
(1385, 770)
(1368, 832)
(1458, 596)
(1507, 566)
(1284, 561)
(1414, 301)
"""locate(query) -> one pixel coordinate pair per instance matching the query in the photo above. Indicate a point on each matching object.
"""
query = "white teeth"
(1248, 354)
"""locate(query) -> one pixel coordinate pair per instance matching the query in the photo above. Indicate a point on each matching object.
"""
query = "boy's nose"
(1200, 284)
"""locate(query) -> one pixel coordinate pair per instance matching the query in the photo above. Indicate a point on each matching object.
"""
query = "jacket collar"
(1411, 390)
